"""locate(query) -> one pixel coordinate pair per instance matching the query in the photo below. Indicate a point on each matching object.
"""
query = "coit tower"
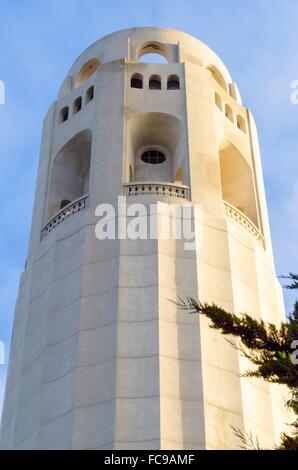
(101, 356)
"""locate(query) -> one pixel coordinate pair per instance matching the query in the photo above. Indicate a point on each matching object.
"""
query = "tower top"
(131, 44)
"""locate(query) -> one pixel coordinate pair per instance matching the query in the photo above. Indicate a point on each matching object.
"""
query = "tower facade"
(100, 357)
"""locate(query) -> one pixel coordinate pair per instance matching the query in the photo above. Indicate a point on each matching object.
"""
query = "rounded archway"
(155, 148)
(153, 52)
(218, 76)
(155, 82)
(173, 82)
(153, 58)
(87, 71)
(70, 172)
(237, 182)
(241, 123)
(136, 81)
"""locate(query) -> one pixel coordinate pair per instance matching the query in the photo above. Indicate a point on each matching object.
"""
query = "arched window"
(136, 81)
(153, 52)
(153, 58)
(64, 113)
(87, 71)
(89, 94)
(155, 146)
(155, 82)
(70, 169)
(229, 113)
(173, 83)
(77, 105)
(218, 101)
(217, 75)
(241, 123)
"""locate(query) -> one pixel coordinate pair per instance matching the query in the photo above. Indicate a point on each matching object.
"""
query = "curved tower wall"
(100, 357)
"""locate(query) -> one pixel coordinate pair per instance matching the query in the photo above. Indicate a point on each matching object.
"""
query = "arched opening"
(89, 94)
(229, 112)
(87, 71)
(218, 101)
(153, 52)
(153, 58)
(237, 182)
(77, 105)
(241, 124)
(217, 75)
(155, 82)
(155, 147)
(64, 203)
(173, 82)
(64, 114)
(70, 172)
(136, 81)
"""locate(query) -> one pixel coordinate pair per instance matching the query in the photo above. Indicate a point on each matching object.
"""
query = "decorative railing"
(157, 189)
(243, 220)
(71, 208)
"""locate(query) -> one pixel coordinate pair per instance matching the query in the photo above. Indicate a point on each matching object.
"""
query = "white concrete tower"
(100, 358)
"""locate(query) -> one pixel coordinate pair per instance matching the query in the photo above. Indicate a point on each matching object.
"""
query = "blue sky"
(39, 40)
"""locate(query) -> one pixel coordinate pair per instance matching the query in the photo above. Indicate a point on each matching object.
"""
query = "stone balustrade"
(72, 208)
(157, 189)
(243, 220)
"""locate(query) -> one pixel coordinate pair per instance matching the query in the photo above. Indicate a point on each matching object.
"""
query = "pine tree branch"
(247, 440)
(255, 334)
(292, 277)
(266, 346)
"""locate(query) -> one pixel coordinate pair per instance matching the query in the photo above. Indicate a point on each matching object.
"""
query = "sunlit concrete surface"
(100, 357)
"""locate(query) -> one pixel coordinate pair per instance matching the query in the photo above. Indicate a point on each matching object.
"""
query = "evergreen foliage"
(269, 347)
